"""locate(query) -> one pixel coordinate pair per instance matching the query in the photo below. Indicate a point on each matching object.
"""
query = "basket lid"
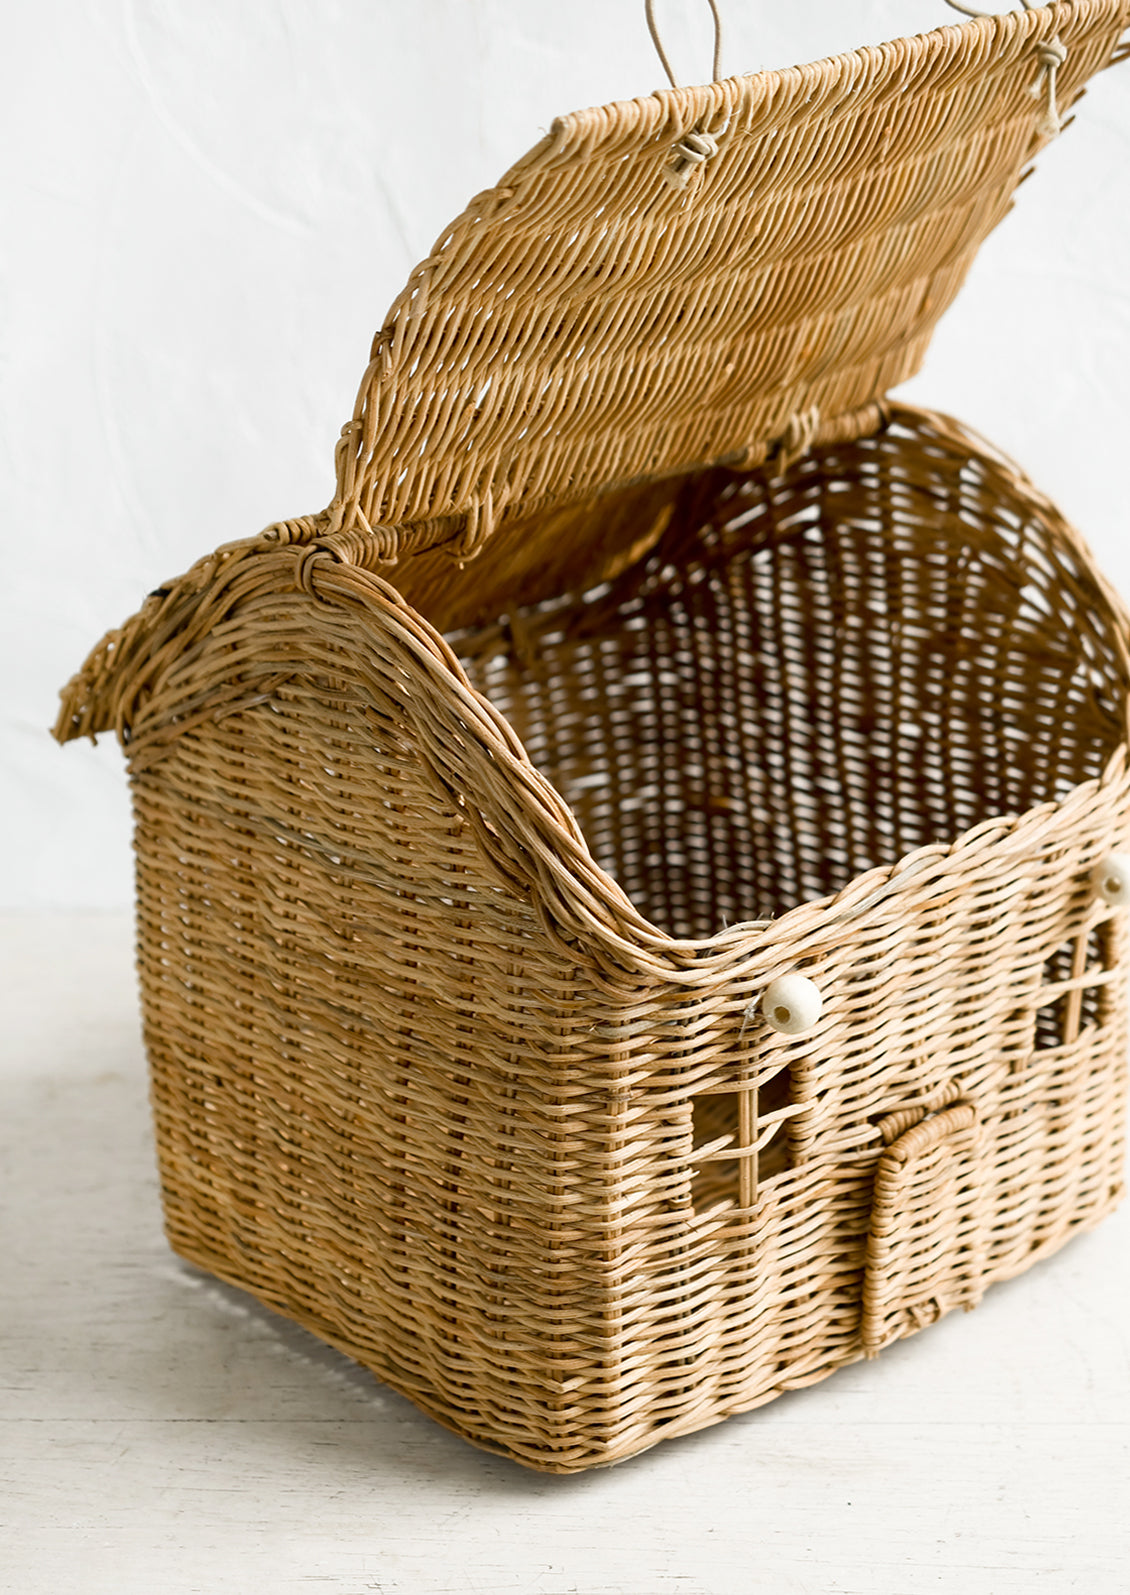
(594, 321)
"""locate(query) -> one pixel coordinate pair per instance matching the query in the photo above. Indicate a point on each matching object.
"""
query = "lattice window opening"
(739, 1138)
(1075, 987)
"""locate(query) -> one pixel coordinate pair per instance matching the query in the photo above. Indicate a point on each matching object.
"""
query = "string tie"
(1051, 54)
(690, 155)
(700, 145)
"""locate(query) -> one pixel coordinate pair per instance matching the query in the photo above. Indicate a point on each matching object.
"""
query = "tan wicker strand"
(462, 894)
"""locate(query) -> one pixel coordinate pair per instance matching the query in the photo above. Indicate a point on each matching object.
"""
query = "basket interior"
(810, 676)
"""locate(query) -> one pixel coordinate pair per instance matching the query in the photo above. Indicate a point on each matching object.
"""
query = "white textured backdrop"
(210, 204)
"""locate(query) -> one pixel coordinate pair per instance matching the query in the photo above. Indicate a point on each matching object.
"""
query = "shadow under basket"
(458, 1055)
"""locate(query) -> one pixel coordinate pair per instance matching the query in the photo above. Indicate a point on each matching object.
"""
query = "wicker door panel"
(925, 1246)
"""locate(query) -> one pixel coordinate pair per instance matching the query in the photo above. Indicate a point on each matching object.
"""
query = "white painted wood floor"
(163, 1434)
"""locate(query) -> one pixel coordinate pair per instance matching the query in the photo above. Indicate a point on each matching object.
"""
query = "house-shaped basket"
(630, 896)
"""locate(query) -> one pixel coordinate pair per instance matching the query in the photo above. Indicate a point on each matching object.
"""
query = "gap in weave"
(715, 1115)
(1051, 1019)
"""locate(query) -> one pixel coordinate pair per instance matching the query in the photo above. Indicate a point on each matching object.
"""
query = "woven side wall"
(378, 1094)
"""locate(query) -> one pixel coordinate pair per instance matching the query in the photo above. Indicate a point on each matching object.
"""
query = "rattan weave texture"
(452, 947)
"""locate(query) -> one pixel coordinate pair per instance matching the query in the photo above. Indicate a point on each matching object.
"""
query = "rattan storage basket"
(629, 896)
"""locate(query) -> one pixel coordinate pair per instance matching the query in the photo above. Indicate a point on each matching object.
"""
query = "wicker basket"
(672, 948)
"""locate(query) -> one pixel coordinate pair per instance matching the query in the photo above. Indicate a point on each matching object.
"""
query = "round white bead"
(792, 1004)
(1111, 879)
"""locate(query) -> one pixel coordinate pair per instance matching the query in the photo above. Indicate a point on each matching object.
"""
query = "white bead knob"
(1111, 879)
(792, 1004)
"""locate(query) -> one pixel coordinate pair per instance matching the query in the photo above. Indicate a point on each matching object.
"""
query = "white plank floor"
(160, 1433)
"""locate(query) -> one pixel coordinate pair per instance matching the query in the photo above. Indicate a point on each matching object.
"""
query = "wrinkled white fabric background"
(209, 207)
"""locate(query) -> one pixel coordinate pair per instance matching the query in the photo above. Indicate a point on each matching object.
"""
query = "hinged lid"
(585, 325)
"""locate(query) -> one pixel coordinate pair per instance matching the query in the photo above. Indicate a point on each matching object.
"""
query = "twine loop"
(700, 145)
(653, 29)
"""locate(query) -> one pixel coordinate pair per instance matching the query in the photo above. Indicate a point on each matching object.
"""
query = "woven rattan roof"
(584, 325)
